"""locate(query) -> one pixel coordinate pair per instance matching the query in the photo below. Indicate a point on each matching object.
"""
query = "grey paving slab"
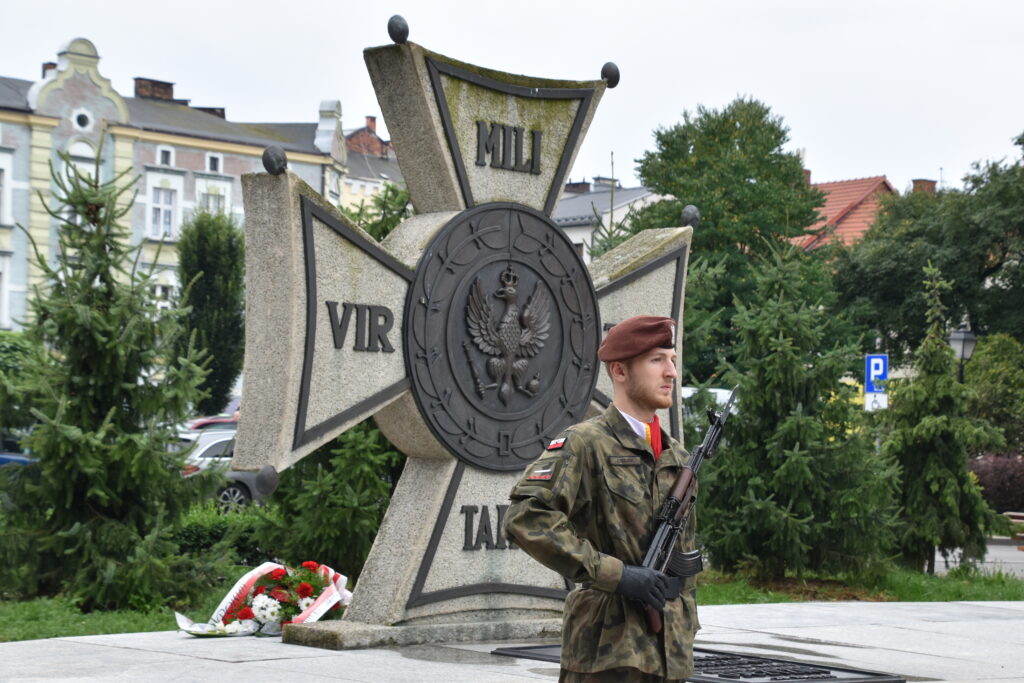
(422, 663)
(240, 649)
(54, 659)
(952, 642)
(976, 641)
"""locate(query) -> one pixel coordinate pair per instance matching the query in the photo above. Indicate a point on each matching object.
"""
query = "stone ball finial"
(691, 216)
(275, 160)
(267, 480)
(610, 73)
(398, 29)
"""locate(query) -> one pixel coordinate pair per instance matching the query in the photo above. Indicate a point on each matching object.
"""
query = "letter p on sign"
(876, 371)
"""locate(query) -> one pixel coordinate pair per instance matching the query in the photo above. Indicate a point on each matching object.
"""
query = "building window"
(214, 163)
(82, 120)
(2, 204)
(214, 203)
(165, 155)
(5, 311)
(162, 212)
(163, 295)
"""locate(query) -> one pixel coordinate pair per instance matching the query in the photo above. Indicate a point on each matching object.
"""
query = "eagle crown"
(509, 280)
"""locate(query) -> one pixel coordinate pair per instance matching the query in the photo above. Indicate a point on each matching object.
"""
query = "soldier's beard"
(647, 397)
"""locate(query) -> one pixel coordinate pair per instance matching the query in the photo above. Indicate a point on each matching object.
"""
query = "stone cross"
(470, 334)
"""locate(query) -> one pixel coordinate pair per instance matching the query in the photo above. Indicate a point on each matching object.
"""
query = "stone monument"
(470, 334)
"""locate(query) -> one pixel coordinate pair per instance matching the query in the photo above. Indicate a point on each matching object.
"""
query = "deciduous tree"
(751, 193)
(974, 236)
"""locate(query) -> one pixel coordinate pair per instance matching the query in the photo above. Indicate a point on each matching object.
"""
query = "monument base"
(353, 635)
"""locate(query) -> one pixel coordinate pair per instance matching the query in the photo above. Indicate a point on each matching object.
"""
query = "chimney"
(153, 89)
(579, 187)
(48, 67)
(807, 176)
(328, 129)
(216, 111)
(371, 123)
(605, 182)
(922, 185)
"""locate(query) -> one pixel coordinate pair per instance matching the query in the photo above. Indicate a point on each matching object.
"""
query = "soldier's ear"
(617, 370)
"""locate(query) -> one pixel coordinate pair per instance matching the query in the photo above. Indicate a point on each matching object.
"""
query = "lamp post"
(963, 342)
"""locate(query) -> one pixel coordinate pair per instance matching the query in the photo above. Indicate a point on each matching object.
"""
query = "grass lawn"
(53, 617)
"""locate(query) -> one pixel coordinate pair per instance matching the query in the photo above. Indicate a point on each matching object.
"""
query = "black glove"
(646, 585)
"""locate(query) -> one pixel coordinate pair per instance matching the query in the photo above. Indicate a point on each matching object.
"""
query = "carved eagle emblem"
(512, 338)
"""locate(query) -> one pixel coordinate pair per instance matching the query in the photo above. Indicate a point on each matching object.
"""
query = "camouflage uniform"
(584, 508)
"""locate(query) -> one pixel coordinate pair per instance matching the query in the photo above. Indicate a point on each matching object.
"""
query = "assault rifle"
(676, 510)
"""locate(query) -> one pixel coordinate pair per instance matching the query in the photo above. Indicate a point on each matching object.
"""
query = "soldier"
(586, 509)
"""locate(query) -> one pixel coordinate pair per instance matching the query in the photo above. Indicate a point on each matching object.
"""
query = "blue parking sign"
(876, 371)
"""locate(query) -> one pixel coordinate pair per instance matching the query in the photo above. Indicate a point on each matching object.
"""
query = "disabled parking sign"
(876, 372)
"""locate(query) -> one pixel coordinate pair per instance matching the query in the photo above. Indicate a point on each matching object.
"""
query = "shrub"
(1002, 480)
(208, 524)
(329, 506)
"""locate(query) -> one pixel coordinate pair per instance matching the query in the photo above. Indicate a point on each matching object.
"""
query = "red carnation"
(259, 590)
(246, 613)
(278, 574)
(229, 617)
(304, 590)
(311, 566)
(279, 595)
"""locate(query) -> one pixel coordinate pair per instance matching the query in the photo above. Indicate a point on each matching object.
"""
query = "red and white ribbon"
(334, 593)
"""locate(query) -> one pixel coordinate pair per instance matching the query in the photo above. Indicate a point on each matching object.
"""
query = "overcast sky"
(902, 88)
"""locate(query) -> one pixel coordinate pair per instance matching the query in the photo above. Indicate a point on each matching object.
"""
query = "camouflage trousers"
(620, 675)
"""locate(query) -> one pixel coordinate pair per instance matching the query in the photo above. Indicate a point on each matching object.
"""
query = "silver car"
(213, 449)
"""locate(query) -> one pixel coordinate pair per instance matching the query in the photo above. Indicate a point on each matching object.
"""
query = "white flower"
(304, 603)
(233, 627)
(266, 609)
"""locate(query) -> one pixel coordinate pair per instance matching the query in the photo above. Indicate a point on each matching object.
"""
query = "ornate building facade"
(184, 158)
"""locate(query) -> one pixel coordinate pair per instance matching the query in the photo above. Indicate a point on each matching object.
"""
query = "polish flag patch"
(556, 444)
(541, 474)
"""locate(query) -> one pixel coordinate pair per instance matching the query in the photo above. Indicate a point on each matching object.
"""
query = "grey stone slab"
(242, 649)
(917, 640)
(813, 614)
(350, 635)
(56, 659)
(421, 663)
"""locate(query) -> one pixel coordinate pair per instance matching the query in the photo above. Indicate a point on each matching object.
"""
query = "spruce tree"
(386, 210)
(211, 259)
(930, 438)
(92, 518)
(798, 485)
(731, 163)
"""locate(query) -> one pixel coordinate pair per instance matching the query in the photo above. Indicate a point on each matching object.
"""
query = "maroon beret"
(637, 335)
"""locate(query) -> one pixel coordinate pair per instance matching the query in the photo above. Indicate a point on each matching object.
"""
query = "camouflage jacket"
(584, 508)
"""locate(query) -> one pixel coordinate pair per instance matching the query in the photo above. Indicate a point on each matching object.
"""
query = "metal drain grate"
(713, 666)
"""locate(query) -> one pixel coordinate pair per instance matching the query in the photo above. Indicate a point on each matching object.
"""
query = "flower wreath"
(273, 595)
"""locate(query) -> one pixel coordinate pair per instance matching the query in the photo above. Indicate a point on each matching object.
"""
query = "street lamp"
(963, 342)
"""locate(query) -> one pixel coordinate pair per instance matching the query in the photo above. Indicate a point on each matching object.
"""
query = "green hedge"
(207, 525)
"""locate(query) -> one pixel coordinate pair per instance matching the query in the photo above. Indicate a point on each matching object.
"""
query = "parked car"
(214, 422)
(11, 452)
(213, 450)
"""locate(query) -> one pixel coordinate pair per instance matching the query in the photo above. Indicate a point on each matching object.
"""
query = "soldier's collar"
(624, 432)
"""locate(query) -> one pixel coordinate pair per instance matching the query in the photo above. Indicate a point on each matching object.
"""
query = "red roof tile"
(849, 210)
